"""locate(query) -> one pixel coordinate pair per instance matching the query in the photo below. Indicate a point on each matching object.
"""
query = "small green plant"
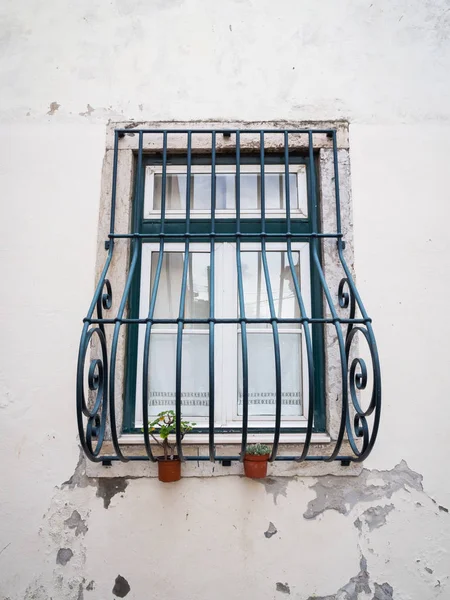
(258, 449)
(165, 425)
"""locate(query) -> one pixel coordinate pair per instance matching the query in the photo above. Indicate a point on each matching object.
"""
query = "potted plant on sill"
(163, 426)
(255, 461)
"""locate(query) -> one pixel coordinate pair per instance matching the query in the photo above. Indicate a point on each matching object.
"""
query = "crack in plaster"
(343, 493)
(7, 546)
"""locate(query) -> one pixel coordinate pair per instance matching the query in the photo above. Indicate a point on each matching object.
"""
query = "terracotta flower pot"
(255, 466)
(169, 470)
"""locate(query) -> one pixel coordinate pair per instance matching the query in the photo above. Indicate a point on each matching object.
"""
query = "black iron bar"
(135, 257)
(228, 321)
(181, 315)
(151, 310)
(375, 404)
(273, 316)
(340, 337)
(219, 235)
(301, 304)
(219, 458)
(212, 299)
(244, 345)
(232, 131)
(114, 182)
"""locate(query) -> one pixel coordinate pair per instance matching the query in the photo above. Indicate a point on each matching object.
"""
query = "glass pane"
(281, 281)
(200, 196)
(169, 289)
(194, 373)
(261, 374)
(275, 196)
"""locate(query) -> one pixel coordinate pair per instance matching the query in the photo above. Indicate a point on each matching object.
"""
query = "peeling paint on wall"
(360, 584)
(277, 486)
(63, 556)
(271, 530)
(107, 487)
(121, 587)
(343, 493)
(383, 592)
(54, 106)
(76, 522)
(374, 517)
(283, 588)
(89, 111)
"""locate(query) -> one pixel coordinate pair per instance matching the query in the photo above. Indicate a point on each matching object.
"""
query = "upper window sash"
(225, 194)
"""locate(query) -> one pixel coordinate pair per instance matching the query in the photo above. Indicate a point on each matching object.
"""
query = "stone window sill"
(133, 445)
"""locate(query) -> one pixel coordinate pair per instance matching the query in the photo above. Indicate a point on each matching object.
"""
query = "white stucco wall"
(65, 70)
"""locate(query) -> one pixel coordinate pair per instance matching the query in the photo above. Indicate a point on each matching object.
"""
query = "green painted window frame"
(224, 226)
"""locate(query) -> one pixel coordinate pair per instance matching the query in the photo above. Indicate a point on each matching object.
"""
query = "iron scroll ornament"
(358, 376)
(92, 438)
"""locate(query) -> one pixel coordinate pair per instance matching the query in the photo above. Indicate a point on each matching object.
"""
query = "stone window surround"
(229, 443)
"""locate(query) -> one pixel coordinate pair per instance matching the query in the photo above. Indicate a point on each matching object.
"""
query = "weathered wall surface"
(65, 70)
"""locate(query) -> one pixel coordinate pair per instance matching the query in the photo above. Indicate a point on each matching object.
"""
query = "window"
(236, 307)
(250, 191)
(230, 397)
(228, 355)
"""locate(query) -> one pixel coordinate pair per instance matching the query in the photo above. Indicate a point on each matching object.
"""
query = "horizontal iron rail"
(218, 458)
(224, 235)
(226, 321)
(237, 130)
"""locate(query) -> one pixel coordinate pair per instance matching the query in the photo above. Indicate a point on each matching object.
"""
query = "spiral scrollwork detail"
(359, 375)
(92, 433)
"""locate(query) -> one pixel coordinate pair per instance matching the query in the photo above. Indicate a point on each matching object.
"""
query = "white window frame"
(271, 213)
(226, 336)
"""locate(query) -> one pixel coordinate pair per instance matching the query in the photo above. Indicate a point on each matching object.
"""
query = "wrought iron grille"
(98, 408)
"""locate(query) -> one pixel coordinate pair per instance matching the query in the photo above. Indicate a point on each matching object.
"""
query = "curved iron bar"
(181, 315)
(137, 244)
(212, 262)
(114, 345)
(152, 306)
(337, 325)
(358, 375)
(273, 315)
(301, 304)
(98, 371)
(358, 380)
(96, 425)
(244, 347)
